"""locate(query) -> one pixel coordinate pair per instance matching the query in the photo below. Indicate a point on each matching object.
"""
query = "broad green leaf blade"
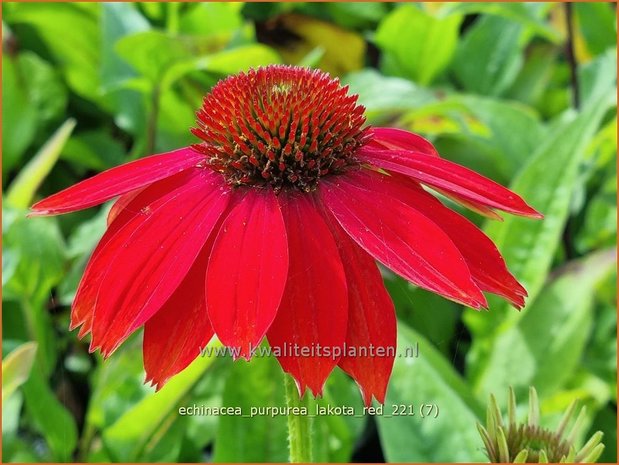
(546, 345)
(428, 379)
(224, 63)
(487, 133)
(151, 52)
(134, 431)
(597, 22)
(19, 119)
(528, 246)
(418, 45)
(117, 21)
(524, 13)
(598, 76)
(50, 417)
(23, 188)
(221, 19)
(534, 78)
(37, 246)
(600, 224)
(508, 122)
(16, 368)
(489, 57)
(263, 437)
(412, 304)
(382, 96)
(70, 31)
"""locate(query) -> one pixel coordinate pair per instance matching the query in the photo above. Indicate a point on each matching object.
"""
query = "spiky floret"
(280, 125)
(514, 442)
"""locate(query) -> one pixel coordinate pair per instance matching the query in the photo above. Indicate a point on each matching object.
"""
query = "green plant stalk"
(153, 116)
(299, 426)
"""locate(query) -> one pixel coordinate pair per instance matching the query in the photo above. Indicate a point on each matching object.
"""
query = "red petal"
(485, 262)
(371, 320)
(144, 202)
(402, 239)
(117, 181)
(314, 306)
(392, 138)
(473, 206)
(449, 177)
(174, 336)
(247, 271)
(123, 202)
(155, 258)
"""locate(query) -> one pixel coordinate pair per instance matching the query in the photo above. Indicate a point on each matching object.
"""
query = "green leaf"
(600, 226)
(508, 122)
(71, 33)
(490, 56)
(597, 22)
(117, 21)
(534, 77)
(38, 247)
(597, 76)
(46, 92)
(151, 53)
(24, 186)
(16, 368)
(418, 45)
(212, 19)
(225, 62)
(19, 118)
(487, 131)
(11, 410)
(34, 255)
(428, 379)
(412, 305)
(527, 14)
(50, 417)
(93, 150)
(263, 438)
(382, 96)
(135, 432)
(354, 14)
(546, 345)
(547, 182)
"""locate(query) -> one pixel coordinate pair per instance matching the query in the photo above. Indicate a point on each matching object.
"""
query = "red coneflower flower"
(271, 225)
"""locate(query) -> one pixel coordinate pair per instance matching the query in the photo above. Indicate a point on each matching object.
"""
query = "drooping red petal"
(313, 313)
(473, 206)
(393, 138)
(174, 336)
(121, 203)
(486, 264)
(247, 270)
(145, 202)
(402, 239)
(372, 328)
(117, 181)
(155, 258)
(449, 177)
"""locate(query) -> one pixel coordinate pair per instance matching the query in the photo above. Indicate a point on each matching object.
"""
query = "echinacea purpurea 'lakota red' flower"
(272, 225)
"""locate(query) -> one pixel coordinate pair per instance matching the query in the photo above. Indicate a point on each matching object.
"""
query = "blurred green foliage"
(89, 86)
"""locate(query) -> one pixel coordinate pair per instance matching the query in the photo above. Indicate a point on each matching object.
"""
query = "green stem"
(151, 129)
(299, 426)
